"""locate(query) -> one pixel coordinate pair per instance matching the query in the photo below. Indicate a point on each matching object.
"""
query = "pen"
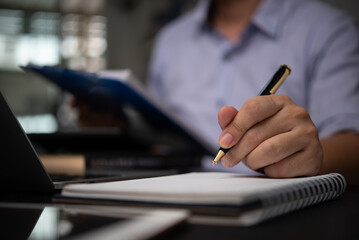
(270, 88)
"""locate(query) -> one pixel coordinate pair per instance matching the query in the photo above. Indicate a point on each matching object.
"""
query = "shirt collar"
(267, 18)
(201, 12)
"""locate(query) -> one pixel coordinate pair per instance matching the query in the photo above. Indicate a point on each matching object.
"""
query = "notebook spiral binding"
(290, 198)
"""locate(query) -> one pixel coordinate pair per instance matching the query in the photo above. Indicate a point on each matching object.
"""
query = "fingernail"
(226, 140)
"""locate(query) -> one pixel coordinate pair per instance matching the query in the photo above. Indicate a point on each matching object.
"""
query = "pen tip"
(220, 154)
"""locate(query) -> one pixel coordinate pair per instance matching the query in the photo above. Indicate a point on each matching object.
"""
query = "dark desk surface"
(336, 219)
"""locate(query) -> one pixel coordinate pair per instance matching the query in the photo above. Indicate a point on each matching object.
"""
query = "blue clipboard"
(111, 94)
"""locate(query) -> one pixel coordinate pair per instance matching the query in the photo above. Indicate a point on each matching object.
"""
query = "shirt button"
(227, 56)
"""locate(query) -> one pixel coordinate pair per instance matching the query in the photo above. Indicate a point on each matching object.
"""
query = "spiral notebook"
(250, 199)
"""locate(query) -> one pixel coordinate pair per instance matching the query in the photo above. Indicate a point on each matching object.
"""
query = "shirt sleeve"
(333, 92)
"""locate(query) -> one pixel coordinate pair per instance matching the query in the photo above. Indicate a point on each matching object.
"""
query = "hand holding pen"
(271, 133)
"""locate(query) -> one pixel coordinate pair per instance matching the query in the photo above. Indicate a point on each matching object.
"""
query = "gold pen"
(270, 88)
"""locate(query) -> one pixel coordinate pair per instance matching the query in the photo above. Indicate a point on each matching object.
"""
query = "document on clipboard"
(111, 90)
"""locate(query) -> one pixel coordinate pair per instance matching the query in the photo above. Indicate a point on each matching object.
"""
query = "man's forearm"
(341, 154)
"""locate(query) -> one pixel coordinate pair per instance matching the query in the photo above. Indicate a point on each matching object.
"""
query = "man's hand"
(90, 118)
(273, 133)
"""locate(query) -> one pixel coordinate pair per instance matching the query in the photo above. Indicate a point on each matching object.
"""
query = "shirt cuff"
(347, 122)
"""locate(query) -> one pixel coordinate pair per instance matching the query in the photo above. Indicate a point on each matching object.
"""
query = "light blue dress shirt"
(195, 70)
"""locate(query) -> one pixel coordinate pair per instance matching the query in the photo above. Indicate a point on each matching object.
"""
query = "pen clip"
(286, 73)
(274, 83)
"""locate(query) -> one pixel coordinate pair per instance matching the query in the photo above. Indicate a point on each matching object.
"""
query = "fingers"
(282, 139)
(303, 163)
(274, 150)
(264, 144)
(225, 115)
(252, 112)
(281, 122)
(89, 117)
(307, 161)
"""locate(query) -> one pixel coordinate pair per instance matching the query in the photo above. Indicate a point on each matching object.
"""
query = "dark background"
(90, 35)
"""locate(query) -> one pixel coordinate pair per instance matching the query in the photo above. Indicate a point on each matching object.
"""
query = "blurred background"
(90, 35)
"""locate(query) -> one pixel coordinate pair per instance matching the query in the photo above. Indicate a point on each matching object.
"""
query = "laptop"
(22, 170)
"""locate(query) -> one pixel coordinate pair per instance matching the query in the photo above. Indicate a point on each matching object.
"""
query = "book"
(113, 90)
(250, 199)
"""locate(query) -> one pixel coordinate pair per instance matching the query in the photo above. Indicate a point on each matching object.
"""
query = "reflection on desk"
(34, 221)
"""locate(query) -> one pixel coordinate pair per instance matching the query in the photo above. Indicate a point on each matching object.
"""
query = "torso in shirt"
(206, 71)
